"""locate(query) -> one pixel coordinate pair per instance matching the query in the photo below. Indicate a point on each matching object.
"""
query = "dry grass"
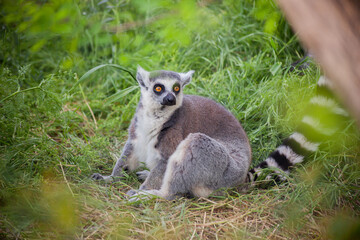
(258, 214)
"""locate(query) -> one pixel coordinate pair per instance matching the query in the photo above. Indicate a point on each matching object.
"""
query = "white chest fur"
(147, 130)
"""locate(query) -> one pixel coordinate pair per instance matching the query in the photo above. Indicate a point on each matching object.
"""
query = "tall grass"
(57, 128)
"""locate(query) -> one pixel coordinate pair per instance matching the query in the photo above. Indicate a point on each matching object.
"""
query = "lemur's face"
(166, 90)
(162, 89)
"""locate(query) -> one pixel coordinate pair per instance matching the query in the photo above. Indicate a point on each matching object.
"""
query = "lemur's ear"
(186, 77)
(142, 77)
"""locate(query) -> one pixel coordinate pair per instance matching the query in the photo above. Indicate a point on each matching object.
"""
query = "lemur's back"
(202, 115)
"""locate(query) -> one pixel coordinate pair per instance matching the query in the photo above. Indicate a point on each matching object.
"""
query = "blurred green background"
(52, 139)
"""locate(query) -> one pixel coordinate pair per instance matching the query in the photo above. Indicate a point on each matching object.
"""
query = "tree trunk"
(330, 30)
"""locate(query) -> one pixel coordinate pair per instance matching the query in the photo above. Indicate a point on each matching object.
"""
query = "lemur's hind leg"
(199, 166)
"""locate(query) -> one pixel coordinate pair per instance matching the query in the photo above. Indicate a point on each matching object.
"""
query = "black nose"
(169, 100)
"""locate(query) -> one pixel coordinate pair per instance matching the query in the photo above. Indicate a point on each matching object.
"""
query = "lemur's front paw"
(97, 176)
(107, 179)
(142, 175)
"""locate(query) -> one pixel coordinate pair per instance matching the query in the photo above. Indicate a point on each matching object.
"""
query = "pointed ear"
(186, 77)
(142, 77)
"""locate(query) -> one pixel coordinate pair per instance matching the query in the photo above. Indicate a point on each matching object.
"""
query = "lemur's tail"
(320, 122)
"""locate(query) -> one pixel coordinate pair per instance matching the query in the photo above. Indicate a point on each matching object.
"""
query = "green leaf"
(275, 68)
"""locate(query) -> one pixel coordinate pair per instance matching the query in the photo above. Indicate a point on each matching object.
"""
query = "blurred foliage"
(43, 21)
(51, 209)
(51, 139)
(268, 11)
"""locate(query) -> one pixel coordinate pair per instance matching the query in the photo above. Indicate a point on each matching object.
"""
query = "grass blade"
(91, 71)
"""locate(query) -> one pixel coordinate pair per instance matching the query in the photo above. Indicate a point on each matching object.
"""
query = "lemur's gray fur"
(191, 144)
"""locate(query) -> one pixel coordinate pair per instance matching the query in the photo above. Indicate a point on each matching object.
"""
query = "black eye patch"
(159, 89)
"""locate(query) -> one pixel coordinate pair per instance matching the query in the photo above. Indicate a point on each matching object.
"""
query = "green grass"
(54, 134)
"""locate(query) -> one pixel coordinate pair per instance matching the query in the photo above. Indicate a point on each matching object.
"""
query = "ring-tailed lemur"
(320, 122)
(191, 144)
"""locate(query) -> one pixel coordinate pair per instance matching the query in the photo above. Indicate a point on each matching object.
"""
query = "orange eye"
(158, 89)
(176, 88)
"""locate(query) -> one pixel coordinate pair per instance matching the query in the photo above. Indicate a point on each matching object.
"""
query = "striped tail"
(321, 120)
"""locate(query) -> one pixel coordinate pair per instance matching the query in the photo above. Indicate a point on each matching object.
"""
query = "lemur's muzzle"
(169, 100)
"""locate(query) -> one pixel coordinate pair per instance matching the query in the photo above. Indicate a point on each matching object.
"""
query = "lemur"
(191, 144)
(322, 119)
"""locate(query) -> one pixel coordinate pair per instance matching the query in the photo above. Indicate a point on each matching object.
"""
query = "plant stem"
(22, 91)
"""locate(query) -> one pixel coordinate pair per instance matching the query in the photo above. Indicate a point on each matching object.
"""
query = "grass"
(55, 133)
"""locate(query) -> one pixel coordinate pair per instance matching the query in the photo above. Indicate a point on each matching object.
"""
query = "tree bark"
(330, 30)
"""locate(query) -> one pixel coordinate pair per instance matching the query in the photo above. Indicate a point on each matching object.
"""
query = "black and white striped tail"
(319, 123)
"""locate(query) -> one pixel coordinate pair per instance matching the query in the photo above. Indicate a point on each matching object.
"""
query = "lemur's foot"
(143, 195)
(131, 192)
(142, 175)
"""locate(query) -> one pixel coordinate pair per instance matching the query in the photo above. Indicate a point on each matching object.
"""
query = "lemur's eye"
(158, 88)
(176, 88)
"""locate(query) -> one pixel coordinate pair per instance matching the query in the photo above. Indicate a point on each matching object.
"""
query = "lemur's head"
(162, 89)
